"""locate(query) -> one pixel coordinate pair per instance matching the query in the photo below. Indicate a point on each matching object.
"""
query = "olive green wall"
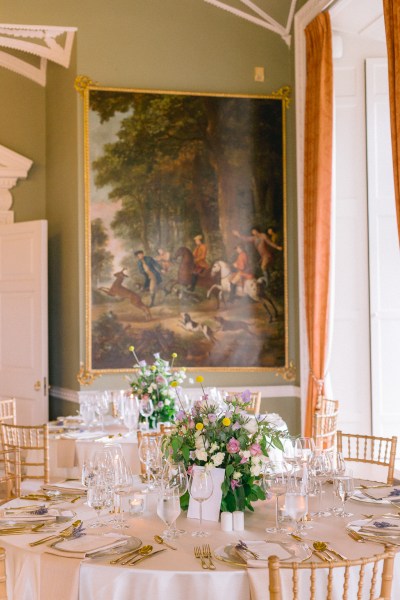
(155, 44)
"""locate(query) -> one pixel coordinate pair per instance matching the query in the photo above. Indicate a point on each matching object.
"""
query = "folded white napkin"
(73, 486)
(388, 493)
(86, 545)
(264, 551)
(27, 516)
(382, 526)
(82, 435)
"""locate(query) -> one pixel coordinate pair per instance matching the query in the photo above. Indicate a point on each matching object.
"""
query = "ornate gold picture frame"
(185, 198)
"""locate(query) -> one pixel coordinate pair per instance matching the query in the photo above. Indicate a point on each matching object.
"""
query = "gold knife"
(135, 562)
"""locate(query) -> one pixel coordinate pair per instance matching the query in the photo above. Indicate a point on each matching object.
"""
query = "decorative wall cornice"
(43, 41)
(258, 16)
(13, 166)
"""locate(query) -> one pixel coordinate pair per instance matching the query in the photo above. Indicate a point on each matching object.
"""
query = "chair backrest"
(354, 573)
(255, 401)
(26, 439)
(369, 449)
(10, 474)
(325, 424)
(154, 434)
(8, 411)
(3, 588)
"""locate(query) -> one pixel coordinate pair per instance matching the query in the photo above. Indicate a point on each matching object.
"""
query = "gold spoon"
(160, 540)
(323, 547)
(127, 556)
(145, 551)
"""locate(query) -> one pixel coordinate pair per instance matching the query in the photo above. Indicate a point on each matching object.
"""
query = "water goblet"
(149, 454)
(175, 477)
(200, 489)
(98, 498)
(168, 508)
(275, 481)
(101, 407)
(130, 413)
(321, 470)
(296, 506)
(122, 486)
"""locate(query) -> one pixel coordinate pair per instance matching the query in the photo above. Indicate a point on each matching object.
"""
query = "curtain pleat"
(391, 10)
(317, 201)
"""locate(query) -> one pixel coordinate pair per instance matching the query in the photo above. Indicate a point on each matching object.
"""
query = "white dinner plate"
(12, 517)
(286, 551)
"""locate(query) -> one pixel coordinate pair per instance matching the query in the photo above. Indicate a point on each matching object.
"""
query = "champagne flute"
(168, 508)
(149, 454)
(275, 481)
(146, 408)
(344, 489)
(200, 489)
(122, 485)
(304, 450)
(296, 506)
(321, 470)
(130, 413)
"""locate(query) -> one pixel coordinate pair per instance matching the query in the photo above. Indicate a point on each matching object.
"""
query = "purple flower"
(236, 426)
(142, 363)
(156, 355)
(228, 414)
(246, 396)
(233, 446)
(160, 404)
(212, 417)
(234, 484)
(180, 415)
(383, 524)
(41, 511)
(160, 379)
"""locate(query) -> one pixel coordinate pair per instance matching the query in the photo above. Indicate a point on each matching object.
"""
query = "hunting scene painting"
(185, 229)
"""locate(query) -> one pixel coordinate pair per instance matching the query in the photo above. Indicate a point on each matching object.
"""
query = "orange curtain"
(391, 9)
(317, 201)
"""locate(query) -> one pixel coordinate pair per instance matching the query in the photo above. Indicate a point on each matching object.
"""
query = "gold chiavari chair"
(368, 449)
(10, 474)
(325, 424)
(8, 411)
(3, 588)
(367, 578)
(255, 401)
(29, 438)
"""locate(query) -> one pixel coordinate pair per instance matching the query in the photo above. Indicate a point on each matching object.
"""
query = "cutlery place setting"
(204, 554)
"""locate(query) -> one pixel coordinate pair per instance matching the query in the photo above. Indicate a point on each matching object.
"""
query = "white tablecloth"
(172, 574)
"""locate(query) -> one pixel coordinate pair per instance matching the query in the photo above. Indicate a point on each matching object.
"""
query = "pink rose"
(233, 446)
(255, 450)
(234, 484)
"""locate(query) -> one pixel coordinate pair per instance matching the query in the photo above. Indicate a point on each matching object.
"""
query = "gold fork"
(198, 554)
(63, 533)
(206, 552)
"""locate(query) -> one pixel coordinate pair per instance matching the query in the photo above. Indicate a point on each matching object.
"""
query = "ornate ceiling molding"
(42, 41)
(260, 17)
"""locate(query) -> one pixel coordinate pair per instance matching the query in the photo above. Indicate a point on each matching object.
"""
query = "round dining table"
(35, 573)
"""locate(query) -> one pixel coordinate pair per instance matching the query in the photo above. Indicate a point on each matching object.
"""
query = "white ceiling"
(359, 17)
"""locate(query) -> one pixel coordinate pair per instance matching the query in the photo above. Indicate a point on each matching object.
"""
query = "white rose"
(201, 455)
(255, 470)
(167, 402)
(251, 426)
(218, 458)
(246, 454)
(199, 443)
(213, 447)
(236, 475)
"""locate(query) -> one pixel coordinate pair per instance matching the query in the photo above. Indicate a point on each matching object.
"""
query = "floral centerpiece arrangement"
(225, 437)
(155, 381)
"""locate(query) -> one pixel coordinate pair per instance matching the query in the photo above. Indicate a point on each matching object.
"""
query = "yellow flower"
(199, 426)
(199, 379)
(131, 348)
(226, 422)
(153, 368)
(174, 384)
(174, 355)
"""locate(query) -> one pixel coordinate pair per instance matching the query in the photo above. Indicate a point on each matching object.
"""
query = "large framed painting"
(185, 229)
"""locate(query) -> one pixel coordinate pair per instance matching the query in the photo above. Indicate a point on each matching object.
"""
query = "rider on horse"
(200, 262)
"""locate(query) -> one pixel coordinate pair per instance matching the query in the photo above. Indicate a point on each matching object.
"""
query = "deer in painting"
(120, 291)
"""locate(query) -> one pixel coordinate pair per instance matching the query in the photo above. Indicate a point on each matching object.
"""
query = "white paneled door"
(384, 256)
(23, 319)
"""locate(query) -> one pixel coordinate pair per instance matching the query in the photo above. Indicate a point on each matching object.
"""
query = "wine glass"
(321, 470)
(122, 485)
(304, 450)
(98, 498)
(101, 407)
(344, 489)
(146, 409)
(200, 489)
(175, 477)
(296, 506)
(149, 455)
(168, 508)
(275, 481)
(87, 412)
(289, 454)
(130, 413)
